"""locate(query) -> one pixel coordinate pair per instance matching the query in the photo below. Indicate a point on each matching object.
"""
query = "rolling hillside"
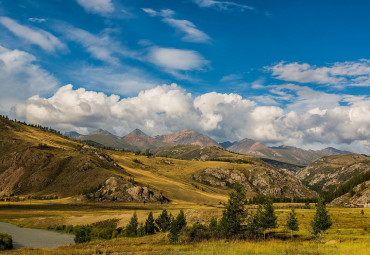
(326, 173)
(35, 161)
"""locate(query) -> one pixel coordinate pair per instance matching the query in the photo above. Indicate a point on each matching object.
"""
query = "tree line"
(236, 223)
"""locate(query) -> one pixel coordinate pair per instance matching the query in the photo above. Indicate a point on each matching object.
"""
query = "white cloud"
(222, 5)
(101, 46)
(38, 20)
(37, 36)
(192, 34)
(350, 73)
(170, 108)
(176, 59)
(102, 7)
(21, 78)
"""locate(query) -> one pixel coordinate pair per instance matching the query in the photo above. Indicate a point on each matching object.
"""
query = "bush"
(82, 234)
(6, 242)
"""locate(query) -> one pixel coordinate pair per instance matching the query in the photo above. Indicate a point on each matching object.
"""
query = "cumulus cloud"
(349, 73)
(222, 5)
(21, 77)
(176, 59)
(37, 36)
(102, 7)
(170, 108)
(192, 33)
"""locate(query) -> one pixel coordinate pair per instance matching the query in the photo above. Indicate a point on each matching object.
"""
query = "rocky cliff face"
(328, 172)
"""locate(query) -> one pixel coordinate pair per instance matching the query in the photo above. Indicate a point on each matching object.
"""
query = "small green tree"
(176, 226)
(292, 222)
(131, 228)
(267, 218)
(235, 213)
(321, 221)
(149, 225)
(164, 221)
(362, 212)
(141, 230)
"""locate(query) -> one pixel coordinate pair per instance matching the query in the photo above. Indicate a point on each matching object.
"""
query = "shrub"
(82, 234)
(6, 242)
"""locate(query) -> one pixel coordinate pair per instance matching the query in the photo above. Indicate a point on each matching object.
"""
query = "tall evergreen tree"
(292, 222)
(149, 225)
(164, 221)
(131, 228)
(267, 218)
(176, 226)
(321, 221)
(235, 213)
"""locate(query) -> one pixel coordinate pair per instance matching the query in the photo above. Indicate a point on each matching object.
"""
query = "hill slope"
(328, 172)
(188, 137)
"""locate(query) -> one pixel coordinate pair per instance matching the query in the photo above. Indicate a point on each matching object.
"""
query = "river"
(30, 237)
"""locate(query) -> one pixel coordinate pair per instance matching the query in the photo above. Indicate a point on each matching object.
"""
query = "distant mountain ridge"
(137, 140)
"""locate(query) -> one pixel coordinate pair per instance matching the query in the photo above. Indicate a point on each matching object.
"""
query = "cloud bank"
(170, 108)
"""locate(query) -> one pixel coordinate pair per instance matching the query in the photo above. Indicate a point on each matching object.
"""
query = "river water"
(29, 237)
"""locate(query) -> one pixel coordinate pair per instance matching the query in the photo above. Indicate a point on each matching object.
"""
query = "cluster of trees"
(238, 223)
(6, 242)
(348, 186)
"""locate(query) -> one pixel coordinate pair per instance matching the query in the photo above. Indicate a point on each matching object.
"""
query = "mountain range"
(139, 141)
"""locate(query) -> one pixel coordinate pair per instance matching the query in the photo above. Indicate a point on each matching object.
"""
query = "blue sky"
(294, 72)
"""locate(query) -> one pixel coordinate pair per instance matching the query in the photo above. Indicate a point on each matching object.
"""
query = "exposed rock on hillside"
(328, 172)
(359, 196)
(262, 181)
(118, 189)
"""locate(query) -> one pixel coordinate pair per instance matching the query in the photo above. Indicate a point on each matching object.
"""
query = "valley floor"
(350, 233)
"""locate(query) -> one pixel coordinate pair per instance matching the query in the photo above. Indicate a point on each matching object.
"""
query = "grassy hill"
(326, 173)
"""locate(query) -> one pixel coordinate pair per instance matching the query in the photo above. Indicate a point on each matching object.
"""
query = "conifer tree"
(267, 218)
(141, 230)
(149, 225)
(292, 222)
(176, 226)
(321, 221)
(131, 228)
(235, 213)
(164, 221)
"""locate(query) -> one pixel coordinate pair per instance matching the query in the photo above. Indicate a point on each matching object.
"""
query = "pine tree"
(267, 218)
(235, 213)
(321, 221)
(141, 230)
(176, 226)
(164, 221)
(292, 223)
(131, 228)
(149, 225)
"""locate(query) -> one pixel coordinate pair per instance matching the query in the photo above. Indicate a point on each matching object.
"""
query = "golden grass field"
(350, 233)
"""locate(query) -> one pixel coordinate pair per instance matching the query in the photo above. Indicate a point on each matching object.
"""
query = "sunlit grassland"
(350, 233)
